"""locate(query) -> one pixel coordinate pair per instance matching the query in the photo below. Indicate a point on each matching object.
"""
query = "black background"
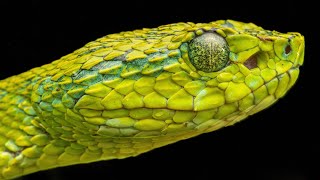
(280, 143)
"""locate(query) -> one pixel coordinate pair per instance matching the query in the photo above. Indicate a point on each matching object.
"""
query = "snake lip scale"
(128, 93)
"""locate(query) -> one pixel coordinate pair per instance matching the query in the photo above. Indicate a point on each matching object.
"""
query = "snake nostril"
(288, 49)
(251, 62)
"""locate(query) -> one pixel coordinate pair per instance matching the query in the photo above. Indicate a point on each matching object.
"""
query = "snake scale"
(128, 93)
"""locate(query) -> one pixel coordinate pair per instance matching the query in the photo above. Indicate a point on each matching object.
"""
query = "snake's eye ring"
(209, 52)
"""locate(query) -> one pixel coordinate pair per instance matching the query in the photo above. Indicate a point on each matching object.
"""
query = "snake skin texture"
(128, 93)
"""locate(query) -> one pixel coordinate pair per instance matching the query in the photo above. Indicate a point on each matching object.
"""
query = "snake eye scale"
(128, 93)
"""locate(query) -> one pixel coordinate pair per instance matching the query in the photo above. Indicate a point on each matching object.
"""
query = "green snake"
(128, 93)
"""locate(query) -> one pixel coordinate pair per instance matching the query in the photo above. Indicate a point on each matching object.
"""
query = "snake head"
(130, 92)
(181, 78)
(245, 68)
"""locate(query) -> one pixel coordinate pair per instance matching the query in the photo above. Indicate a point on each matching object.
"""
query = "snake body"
(128, 93)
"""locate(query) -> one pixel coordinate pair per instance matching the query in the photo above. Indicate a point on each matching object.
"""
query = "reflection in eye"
(209, 52)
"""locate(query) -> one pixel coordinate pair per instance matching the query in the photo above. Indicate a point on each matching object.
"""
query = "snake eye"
(209, 52)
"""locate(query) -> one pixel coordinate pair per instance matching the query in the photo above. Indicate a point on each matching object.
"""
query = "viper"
(128, 93)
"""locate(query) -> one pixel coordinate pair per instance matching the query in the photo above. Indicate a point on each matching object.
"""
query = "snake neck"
(15, 100)
(21, 140)
(16, 111)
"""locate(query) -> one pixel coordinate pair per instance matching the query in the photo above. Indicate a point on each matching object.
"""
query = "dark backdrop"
(280, 143)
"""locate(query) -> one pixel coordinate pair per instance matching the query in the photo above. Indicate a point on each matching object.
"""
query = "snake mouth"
(264, 96)
(271, 91)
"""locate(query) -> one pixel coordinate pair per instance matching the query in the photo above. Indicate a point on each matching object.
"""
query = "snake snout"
(290, 47)
(300, 54)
